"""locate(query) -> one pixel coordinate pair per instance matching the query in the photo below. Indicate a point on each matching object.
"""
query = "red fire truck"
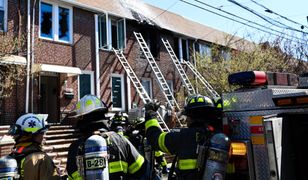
(267, 121)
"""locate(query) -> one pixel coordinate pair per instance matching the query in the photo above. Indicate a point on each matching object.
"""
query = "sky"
(275, 23)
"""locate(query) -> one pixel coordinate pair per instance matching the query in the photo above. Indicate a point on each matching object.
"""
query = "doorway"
(49, 92)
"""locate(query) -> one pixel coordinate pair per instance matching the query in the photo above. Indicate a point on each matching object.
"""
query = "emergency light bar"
(248, 78)
(261, 78)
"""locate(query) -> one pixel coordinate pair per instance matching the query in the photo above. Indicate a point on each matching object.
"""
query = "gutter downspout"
(32, 53)
(28, 57)
(97, 73)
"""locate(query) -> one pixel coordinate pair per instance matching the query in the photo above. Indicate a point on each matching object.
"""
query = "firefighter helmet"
(29, 124)
(198, 106)
(88, 104)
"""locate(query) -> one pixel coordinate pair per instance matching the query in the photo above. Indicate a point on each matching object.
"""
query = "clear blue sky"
(296, 10)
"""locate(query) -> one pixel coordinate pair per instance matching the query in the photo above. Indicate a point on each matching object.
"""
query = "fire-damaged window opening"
(111, 32)
(181, 49)
(3, 15)
(55, 22)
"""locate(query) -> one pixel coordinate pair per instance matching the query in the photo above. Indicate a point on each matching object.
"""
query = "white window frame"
(55, 22)
(205, 45)
(5, 9)
(148, 80)
(122, 92)
(109, 20)
(91, 73)
(171, 84)
(181, 58)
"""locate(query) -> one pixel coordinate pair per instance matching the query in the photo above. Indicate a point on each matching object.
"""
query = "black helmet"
(119, 119)
(199, 106)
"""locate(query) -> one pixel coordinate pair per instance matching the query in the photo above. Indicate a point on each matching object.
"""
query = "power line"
(271, 11)
(166, 10)
(265, 17)
(249, 21)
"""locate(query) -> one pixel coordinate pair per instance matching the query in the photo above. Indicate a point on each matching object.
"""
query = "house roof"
(140, 11)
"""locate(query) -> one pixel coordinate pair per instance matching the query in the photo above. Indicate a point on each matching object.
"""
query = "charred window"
(176, 47)
(55, 22)
(64, 24)
(46, 20)
(185, 52)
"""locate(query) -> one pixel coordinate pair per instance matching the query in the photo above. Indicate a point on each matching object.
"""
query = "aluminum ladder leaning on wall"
(139, 87)
(159, 76)
(179, 67)
(206, 85)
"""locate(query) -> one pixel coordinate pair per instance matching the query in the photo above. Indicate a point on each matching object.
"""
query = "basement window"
(55, 22)
(111, 31)
(3, 15)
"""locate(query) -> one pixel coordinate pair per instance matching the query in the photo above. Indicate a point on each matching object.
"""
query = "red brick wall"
(81, 53)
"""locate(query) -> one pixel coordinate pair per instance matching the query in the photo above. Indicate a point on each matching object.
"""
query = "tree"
(10, 73)
(279, 55)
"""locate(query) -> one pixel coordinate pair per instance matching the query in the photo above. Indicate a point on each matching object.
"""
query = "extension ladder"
(139, 87)
(207, 85)
(179, 67)
(161, 80)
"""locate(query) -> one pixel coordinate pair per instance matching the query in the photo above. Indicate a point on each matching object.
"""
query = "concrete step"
(60, 131)
(56, 148)
(59, 141)
(55, 127)
(61, 136)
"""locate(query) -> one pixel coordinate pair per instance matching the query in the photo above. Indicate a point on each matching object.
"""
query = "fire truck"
(267, 121)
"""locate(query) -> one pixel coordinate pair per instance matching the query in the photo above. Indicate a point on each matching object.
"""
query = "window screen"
(46, 20)
(116, 92)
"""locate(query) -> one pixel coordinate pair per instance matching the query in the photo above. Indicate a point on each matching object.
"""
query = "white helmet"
(88, 104)
(29, 124)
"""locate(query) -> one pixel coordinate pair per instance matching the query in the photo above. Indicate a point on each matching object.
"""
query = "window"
(86, 83)
(181, 49)
(147, 85)
(170, 84)
(205, 50)
(55, 22)
(3, 15)
(111, 32)
(225, 54)
(117, 92)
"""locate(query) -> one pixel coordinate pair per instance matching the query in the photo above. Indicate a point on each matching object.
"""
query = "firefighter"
(124, 160)
(136, 135)
(119, 124)
(33, 164)
(184, 143)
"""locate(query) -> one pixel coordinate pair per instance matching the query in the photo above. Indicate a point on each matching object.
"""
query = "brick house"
(71, 53)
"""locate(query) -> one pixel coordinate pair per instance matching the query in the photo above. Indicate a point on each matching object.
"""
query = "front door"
(49, 90)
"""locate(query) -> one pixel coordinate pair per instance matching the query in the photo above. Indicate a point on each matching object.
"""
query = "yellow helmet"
(88, 104)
